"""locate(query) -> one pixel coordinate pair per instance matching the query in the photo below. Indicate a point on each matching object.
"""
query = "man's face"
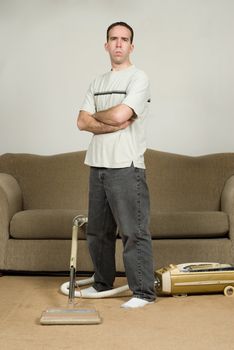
(119, 45)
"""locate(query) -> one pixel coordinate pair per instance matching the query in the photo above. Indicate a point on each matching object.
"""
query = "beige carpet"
(172, 323)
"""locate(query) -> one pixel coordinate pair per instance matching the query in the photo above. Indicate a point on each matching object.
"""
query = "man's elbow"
(122, 114)
(80, 124)
(81, 121)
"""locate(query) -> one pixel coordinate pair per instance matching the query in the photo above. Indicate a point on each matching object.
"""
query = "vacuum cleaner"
(176, 280)
(181, 279)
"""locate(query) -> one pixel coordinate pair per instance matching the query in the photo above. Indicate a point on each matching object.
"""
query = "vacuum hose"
(105, 294)
(68, 288)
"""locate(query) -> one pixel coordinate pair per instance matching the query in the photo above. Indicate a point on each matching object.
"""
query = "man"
(114, 110)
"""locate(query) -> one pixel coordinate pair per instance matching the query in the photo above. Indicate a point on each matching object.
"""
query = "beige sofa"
(192, 210)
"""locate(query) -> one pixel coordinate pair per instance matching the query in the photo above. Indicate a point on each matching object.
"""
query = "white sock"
(134, 303)
(86, 291)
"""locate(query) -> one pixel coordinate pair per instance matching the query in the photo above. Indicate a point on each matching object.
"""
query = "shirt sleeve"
(88, 104)
(138, 93)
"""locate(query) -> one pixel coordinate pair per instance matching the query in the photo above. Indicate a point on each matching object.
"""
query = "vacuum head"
(62, 316)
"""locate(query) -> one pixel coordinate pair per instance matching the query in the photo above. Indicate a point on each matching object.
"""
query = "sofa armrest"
(227, 196)
(10, 202)
(227, 203)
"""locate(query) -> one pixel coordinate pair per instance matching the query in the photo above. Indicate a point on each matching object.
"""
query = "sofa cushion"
(45, 224)
(57, 224)
(189, 224)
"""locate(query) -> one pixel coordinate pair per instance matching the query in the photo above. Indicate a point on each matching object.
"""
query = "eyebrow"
(122, 37)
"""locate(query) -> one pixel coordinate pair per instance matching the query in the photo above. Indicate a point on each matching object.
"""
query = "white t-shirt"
(119, 149)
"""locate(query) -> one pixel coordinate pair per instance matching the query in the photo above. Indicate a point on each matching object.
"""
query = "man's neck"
(117, 67)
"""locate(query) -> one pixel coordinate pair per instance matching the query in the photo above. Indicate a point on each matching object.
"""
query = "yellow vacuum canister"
(195, 278)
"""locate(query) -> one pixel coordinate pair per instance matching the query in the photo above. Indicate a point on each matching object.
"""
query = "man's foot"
(86, 291)
(134, 303)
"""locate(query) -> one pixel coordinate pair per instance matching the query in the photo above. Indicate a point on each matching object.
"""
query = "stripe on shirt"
(113, 92)
(110, 93)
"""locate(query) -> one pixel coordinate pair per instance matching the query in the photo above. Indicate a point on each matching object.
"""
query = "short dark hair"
(120, 24)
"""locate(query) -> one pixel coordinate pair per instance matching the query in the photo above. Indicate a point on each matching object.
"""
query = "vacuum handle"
(78, 221)
(72, 286)
(73, 260)
(74, 246)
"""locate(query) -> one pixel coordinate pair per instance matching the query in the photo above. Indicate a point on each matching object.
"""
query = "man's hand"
(116, 115)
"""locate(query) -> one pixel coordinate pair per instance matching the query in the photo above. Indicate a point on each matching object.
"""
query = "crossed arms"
(110, 120)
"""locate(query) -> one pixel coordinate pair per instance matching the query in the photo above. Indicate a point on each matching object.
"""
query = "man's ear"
(106, 46)
(132, 47)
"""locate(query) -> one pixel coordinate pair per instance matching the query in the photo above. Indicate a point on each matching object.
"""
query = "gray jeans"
(120, 198)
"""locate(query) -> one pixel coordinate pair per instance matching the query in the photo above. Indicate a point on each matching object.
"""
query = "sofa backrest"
(185, 183)
(176, 182)
(47, 182)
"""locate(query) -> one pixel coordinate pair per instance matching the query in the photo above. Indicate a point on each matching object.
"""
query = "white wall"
(50, 50)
